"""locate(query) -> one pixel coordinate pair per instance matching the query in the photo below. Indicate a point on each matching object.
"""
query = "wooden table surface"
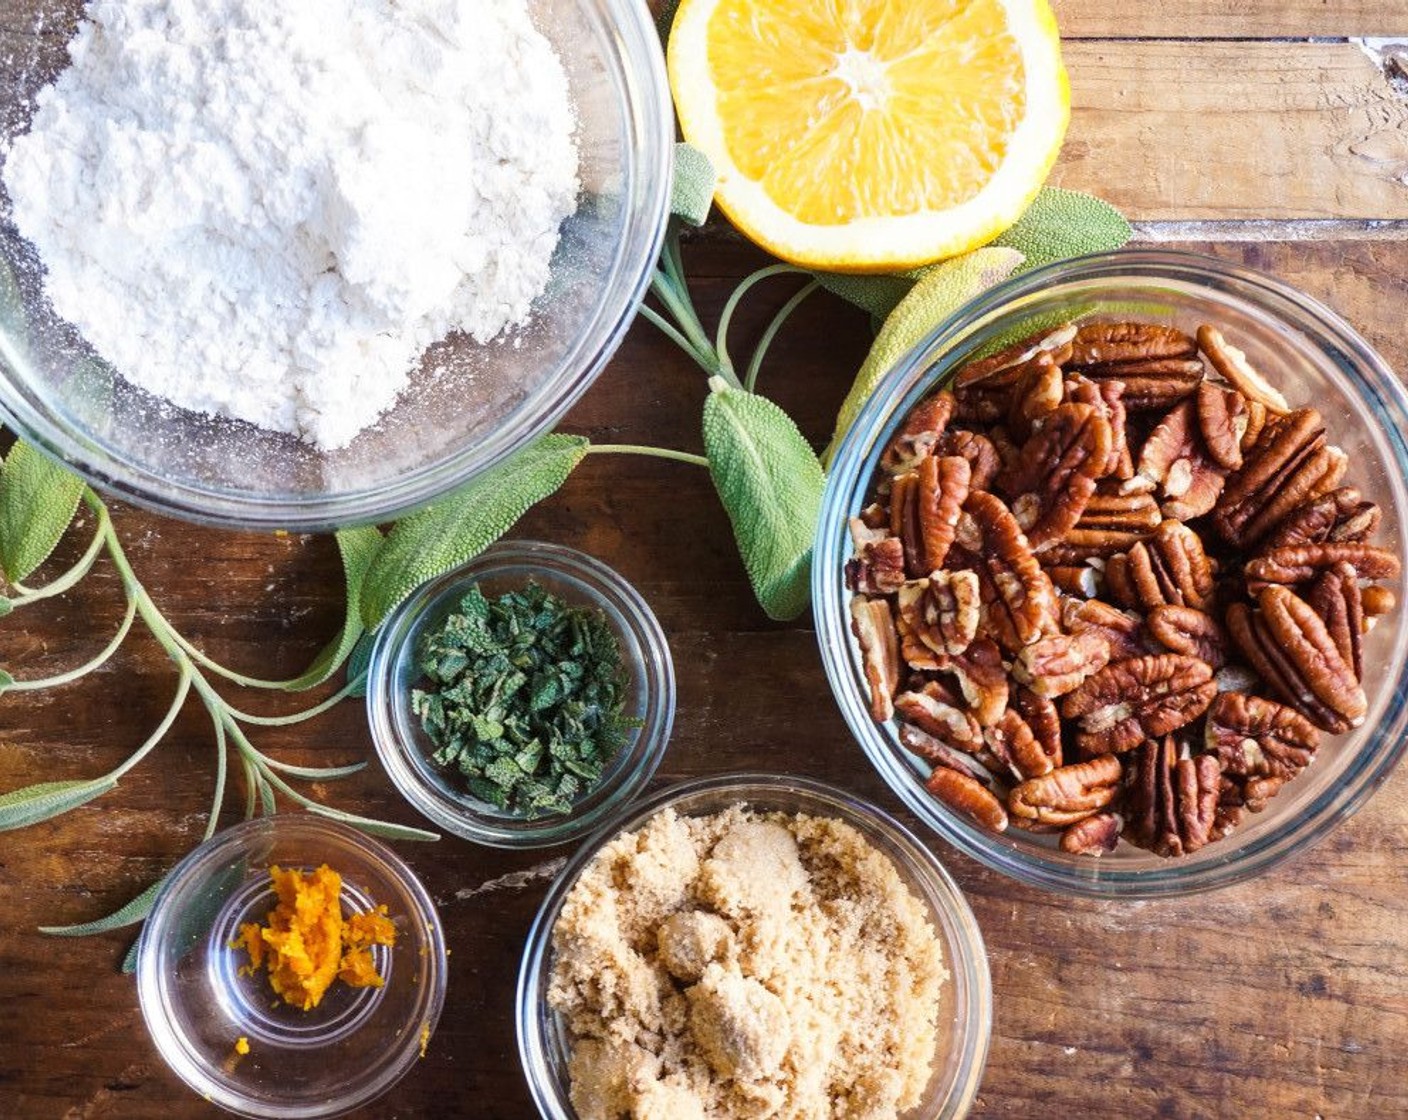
(1260, 131)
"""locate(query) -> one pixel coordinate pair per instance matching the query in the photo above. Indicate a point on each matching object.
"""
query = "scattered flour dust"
(268, 211)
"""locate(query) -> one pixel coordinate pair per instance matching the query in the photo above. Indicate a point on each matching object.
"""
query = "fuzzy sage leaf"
(692, 191)
(770, 483)
(38, 499)
(128, 915)
(358, 548)
(32, 804)
(1061, 224)
(464, 523)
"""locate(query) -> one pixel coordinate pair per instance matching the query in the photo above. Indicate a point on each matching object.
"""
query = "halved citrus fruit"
(871, 135)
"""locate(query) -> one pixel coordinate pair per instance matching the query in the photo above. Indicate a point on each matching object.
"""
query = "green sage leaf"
(692, 191)
(358, 548)
(6, 680)
(128, 915)
(32, 804)
(357, 663)
(877, 294)
(464, 523)
(770, 482)
(129, 962)
(943, 290)
(6, 606)
(1060, 224)
(38, 499)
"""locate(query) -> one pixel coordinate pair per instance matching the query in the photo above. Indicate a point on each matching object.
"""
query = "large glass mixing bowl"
(468, 406)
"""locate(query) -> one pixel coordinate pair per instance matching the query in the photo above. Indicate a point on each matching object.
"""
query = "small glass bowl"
(1315, 357)
(965, 1017)
(468, 406)
(578, 579)
(326, 1061)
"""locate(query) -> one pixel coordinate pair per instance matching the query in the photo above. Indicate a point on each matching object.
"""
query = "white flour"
(267, 210)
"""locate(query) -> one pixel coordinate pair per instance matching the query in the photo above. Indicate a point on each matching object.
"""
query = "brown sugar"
(746, 965)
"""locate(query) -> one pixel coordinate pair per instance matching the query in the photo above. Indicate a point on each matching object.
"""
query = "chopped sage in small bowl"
(521, 699)
(525, 698)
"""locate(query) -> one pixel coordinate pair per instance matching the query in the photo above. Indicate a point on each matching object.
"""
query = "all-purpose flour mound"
(268, 210)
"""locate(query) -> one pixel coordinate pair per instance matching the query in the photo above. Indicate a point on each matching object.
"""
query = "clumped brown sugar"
(745, 965)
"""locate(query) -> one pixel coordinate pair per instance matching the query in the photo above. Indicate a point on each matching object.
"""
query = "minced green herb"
(526, 698)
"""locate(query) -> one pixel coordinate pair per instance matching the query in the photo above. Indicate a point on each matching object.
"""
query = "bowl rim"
(647, 176)
(965, 952)
(848, 480)
(190, 1067)
(625, 608)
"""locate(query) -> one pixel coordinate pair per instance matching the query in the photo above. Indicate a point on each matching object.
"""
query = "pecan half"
(1341, 516)
(1172, 802)
(1255, 737)
(924, 510)
(938, 753)
(1174, 461)
(983, 461)
(1057, 471)
(1222, 422)
(1107, 398)
(1293, 564)
(1151, 385)
(1110, 523)
(1189, 631)
(1055, 665)
(1056, 342)
(1232, 364)
(1336, 598)
(1141, 698)
(941, 611)
(874, 628)
(930, 711)
(1037, 391)
(1286, 468)
(919, 434)
(968, 796)
(1068, 793)
(1013, 742)
(1105, 342)
(1093, 836)
(1170, 567)
(1290, 649)
(982, 677)
(1019, 603)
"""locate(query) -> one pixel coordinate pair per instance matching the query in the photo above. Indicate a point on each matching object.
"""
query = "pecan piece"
(1104, 342)
(1341, 516)
(1336, 598)
(1232, 364)
(878, 566)
(1044, 720)
(967, 796)
(1170, 567)
(1074, 579)
(1137, 699)
(1019, 603)
(931, 712)
(938, 753)
(1037, 391)
(1293, 564)
(1174, 462)
(1189, 631)
(874, 628)
(919, 434)
(1056, 665)
(1222, 422)
(983, 461)
(1377, 601)
(1257, 738)
(1056, 472)
(1290, 648)
(1172, 801)
(1093, 836)
(1107, 398)
(1120, 630)
(1068, 793)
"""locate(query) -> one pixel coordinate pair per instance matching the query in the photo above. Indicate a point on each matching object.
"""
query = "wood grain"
(1209, 130)
(1230, 19)
(1283, 997)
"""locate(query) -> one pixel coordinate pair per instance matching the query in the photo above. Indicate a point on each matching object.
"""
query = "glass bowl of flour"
(308, 265)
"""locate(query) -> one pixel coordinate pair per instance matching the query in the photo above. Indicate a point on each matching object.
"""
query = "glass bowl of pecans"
(1101, 566)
